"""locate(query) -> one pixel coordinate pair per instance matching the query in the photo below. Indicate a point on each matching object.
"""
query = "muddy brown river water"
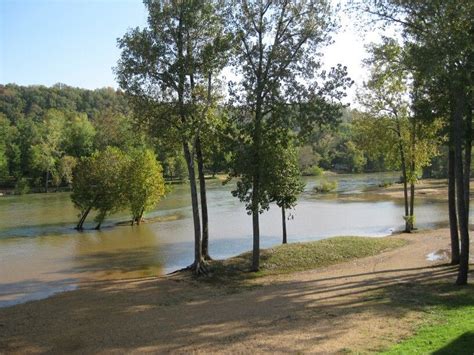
(41, 253)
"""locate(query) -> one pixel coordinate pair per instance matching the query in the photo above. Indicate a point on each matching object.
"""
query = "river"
(42, 254)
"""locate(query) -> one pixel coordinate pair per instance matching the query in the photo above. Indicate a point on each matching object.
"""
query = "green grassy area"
(449, 326)
(301, 256)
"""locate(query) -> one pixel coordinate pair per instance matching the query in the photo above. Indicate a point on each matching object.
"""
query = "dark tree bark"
(453, 220)
(256, 188)
(283, 221)
(405, 183)
(47, 181)
(83, 218)
(411, 221)
(198, 265)
(202, 190)
(467, 158)
(101, 218)
(461, 196)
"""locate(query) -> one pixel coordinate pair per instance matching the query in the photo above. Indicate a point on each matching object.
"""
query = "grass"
(300, 256)
(449, 328)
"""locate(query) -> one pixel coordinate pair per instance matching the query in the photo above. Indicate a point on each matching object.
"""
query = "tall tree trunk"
(197, 266)
(405, 186)
(461, 196)
(453, 220)
(404, 175)
(412, 207)
(256, 189)
(467, 158)
(283, 221)
(202, 190)
(47, 181)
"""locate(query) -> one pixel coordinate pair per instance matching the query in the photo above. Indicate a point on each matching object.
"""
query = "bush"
(22, 186)
(313, 171)
(385, 184)
(325, 186)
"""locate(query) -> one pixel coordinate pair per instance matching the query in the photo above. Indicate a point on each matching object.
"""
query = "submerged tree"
(144, 183)
(99, 183)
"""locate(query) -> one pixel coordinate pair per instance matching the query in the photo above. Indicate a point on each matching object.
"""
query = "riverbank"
(436, 189)
(363, 305)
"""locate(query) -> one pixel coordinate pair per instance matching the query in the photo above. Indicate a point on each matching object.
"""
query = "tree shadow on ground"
(176, 314)
(463, 345)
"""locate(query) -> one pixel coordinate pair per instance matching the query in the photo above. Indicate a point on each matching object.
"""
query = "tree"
(9, 152)
(441, 35)
(164, 68)
(284, 178)
(64, 170)
(145, 184)
(48, 151)
(277, 60)
(79, 135)
(390, 128)
(99, 184)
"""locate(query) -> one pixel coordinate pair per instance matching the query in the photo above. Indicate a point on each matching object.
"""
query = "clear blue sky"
(74, 41)
(68, 41)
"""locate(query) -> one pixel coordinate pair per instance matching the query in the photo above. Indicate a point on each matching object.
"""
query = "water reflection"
(41, 253)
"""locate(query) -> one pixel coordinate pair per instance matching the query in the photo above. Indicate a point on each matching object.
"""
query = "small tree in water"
(98, 184)
(145, 185)
(284, 180)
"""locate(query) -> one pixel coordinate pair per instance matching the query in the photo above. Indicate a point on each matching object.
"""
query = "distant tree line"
(44, 132)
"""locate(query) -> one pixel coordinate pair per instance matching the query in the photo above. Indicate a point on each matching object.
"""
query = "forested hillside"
(44, 130)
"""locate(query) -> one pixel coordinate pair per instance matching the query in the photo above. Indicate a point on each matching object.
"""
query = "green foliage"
(98, 183)
(334, 147)
(49, 149)
(273, 71)
(22, 186)
(64, 171)
(175, 167)
(282, 175)
(326, 186)
(111, 180)
(79, 136)
(316, 171)
(144, 182)
(40, 125)
(389, 128)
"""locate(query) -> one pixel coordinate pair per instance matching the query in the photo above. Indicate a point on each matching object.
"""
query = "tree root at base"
(198, 268)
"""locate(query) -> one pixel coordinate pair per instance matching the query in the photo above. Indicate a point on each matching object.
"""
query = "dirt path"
(347, 306)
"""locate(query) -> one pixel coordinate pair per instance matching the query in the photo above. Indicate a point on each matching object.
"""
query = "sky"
(75, 42)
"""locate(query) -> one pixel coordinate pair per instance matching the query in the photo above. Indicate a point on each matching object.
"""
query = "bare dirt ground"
(350, 306)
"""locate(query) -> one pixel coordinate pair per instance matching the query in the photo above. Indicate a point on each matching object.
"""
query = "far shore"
(426, 188)
(355, 303)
